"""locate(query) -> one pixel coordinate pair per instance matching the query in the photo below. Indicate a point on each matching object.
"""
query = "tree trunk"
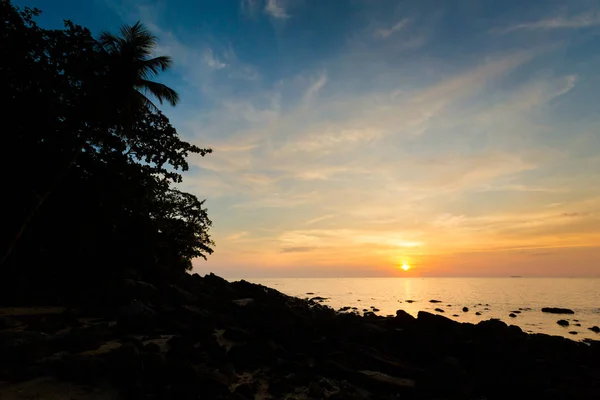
(40, 202)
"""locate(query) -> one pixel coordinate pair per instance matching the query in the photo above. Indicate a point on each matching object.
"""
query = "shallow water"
(492, 297)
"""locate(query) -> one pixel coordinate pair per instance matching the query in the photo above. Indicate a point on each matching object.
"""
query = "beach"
(204, 337)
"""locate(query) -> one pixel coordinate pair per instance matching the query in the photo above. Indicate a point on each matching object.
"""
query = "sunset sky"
(352, 136)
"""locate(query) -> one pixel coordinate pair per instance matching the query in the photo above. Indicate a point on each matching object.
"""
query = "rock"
(439, 310)
(595, 329)
(455, 315)
(562, 322)
(556, 310)
(310, 293)
(181, 296)
(8, 322)
(409, 301)
(382, 378)
(465, 309)
(141, 290)
(319, 298)
(512, 315)
(572, 332)
(516, 312)
(577, 324)
(404, 318)
(375, 309)
(369, 314)
(136, 316)
(477, 313)
(242, 302)
(435, 301)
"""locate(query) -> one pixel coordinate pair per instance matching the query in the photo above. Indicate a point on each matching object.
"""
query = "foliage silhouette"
(88, 161)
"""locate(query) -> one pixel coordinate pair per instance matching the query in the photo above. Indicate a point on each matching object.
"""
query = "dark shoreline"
(206, 338)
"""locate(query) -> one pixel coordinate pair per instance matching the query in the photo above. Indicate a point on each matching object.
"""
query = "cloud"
(276, 9)
(250, 8)
(212, 61)
(319, 219)
(385, 33)
(585, 20)
(297, 249)
(237, 235)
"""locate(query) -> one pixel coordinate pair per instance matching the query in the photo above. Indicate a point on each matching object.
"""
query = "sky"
(350, 137)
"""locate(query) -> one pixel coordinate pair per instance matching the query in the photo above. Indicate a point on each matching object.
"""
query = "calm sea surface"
(492, 297)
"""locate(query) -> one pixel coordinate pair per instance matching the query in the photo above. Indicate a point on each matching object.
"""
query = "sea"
(491, 297)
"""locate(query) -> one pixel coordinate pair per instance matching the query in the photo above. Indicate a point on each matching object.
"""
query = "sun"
(405, 267)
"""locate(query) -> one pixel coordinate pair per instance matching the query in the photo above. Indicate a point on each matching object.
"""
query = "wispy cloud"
(385, 33)
(276, 9)
(212, 61)
(580, 21)
(319, 219)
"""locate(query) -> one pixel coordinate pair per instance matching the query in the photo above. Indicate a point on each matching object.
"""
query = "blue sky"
(352, 136)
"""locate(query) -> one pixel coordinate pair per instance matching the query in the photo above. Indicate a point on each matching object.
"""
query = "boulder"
(435, 301)
(562, 322)
(409, 301)
(136, 316)
(477, 313)
(512, 315)
(404, 318)
(595, 329)
(181, 296)
(465, 309)
(572, 332)
(557, 310)
(439, 310)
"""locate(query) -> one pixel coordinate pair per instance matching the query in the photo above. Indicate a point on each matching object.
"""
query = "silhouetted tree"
(87, 160)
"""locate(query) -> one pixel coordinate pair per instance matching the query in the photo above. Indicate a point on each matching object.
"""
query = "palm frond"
(160, 91)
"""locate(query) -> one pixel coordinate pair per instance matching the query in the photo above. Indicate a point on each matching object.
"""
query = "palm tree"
(130, 66)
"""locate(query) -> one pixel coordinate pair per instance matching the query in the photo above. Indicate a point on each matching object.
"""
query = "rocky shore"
(206, 338)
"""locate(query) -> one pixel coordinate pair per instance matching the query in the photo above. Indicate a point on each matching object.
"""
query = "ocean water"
(492, 297)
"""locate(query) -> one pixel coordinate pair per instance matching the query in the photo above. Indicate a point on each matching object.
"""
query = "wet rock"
(435, 301)
(512, 315)
(595, 329)
(439, 310)
(465, 309)
(557, 310)
(562, 322)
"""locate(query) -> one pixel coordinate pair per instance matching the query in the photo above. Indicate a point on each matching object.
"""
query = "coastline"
(204, 337)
